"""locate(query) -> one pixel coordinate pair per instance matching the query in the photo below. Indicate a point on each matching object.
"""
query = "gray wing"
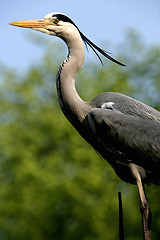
(137, 138)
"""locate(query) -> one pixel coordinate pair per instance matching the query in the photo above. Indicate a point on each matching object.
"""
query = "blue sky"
(101, 20)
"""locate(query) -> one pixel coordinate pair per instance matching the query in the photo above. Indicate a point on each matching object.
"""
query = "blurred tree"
(52, 183)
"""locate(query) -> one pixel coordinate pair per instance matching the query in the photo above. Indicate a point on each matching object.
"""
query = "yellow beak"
(38, 23)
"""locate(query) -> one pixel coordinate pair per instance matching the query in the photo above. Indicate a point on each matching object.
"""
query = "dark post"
(121, 226)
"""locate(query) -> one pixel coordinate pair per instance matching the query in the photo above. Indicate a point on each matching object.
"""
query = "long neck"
(74, 108)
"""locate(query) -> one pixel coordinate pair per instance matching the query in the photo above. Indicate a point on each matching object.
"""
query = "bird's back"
(126, 105)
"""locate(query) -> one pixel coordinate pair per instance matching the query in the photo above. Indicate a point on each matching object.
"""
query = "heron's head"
(58, 24)
(55, 24)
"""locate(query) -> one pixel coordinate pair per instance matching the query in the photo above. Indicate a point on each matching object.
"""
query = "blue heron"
(124, 131)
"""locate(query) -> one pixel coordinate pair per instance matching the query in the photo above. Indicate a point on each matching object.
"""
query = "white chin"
(44, 30)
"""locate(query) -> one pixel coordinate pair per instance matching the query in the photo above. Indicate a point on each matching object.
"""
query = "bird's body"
(124, 131)
(131, 136)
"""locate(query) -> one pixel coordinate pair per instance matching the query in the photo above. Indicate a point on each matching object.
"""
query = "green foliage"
(52, 183)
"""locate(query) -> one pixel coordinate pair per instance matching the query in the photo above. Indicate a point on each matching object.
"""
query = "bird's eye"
(56, 21)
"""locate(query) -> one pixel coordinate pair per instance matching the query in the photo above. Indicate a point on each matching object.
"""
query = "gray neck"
(74, 108)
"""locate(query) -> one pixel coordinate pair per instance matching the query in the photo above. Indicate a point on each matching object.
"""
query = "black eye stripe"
(63, 18)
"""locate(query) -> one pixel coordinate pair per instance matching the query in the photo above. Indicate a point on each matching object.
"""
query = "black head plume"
(93, 46)
(103, 52)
